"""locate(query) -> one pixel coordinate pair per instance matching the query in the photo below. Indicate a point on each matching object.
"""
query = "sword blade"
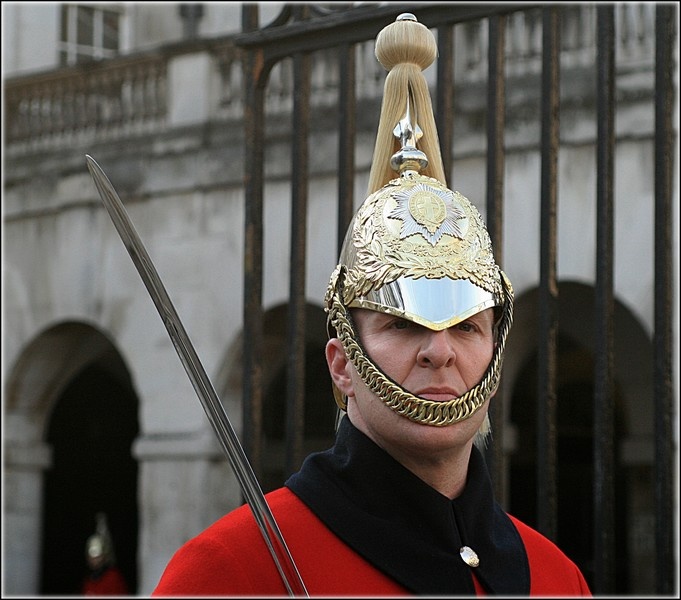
(202, 384)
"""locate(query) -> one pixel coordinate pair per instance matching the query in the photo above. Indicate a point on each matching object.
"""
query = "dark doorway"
(319, 414)
(575, 473)
(91, 432)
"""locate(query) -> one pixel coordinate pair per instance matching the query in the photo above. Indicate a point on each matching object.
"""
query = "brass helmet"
(415, 249)
(99, 546)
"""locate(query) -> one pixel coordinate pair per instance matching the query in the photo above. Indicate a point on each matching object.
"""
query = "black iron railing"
(300, 31)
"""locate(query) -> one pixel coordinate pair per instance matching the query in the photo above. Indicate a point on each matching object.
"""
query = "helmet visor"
(433, 303)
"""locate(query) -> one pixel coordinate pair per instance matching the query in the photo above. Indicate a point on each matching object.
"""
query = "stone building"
(98, 412)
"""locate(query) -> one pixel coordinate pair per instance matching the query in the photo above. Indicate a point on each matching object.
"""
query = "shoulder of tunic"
(231, 558)
(552, 572)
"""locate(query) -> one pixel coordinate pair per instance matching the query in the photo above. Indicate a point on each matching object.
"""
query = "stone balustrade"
(151, 92)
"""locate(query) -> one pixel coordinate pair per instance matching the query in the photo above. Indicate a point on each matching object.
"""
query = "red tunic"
(230, 558)
(110, 583)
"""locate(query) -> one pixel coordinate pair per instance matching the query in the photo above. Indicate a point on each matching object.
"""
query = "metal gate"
(301, 30)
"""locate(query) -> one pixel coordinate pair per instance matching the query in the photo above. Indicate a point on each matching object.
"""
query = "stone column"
(186, 484)
(22, 519)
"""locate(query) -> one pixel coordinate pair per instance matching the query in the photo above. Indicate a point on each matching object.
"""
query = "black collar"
(406, 528)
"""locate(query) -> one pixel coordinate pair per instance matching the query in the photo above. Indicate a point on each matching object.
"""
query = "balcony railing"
(132, 96)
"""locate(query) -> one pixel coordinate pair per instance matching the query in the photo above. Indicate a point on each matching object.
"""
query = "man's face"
(95, 560)
(436, 365)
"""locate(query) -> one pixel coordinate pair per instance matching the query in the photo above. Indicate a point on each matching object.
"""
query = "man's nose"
(437, 350)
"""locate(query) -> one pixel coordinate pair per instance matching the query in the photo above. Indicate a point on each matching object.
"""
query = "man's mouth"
(438, 394)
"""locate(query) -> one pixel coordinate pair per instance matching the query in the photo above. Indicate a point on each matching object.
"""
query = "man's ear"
(339, 366)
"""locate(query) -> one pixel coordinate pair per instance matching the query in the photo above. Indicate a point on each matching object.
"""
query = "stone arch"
(40, 385)
(633, 385)
(320, 408)
(633, 351)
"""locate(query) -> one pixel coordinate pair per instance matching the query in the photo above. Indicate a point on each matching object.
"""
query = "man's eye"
(401, 324)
